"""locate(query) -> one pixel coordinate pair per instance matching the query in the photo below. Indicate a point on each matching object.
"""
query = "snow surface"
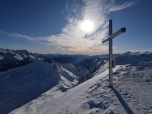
(23, 84)
(131, 94)
(42, 88)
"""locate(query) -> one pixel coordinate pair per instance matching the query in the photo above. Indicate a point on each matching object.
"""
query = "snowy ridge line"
(32, 80)
(129, 95)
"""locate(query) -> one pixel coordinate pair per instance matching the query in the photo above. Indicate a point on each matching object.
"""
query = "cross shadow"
(126, 107)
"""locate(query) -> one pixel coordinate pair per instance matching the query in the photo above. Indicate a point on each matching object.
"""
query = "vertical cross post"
(112, 62)
(110, 56)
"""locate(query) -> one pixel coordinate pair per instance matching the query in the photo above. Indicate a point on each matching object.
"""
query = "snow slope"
(41, 88)
(131, 94)
(23, 84)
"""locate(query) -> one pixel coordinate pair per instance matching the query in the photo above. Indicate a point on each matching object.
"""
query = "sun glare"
(87, 26)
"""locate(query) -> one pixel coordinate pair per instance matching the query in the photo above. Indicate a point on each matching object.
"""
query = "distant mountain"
(66, 58)
(93, 60)
(132, 58)
(93, 63)
(15, 58)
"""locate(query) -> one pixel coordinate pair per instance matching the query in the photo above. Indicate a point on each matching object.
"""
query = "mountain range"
(38, 84)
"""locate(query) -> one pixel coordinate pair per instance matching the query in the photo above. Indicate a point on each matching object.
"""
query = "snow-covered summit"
(131, 94)
(42, 88)
(22, 84)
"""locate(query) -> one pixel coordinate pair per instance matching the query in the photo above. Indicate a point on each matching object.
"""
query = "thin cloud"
(15, 35)
(21, 36)
(123, 6)
(67, 6)
(72, 38)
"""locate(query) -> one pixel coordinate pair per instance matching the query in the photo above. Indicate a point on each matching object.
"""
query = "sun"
(87, 26)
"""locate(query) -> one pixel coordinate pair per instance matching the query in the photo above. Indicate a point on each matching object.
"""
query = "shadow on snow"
(126, 107)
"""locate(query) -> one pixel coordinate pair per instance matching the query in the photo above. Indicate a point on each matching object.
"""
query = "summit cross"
(112, 62)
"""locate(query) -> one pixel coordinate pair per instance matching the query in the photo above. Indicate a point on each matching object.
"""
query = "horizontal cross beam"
(122, 30)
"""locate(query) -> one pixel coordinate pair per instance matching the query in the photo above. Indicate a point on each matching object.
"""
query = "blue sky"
(55, 26)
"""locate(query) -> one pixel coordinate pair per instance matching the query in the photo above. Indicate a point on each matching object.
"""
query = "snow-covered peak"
(130, 95)
(16, 58)
(32, 80)
(127, 53)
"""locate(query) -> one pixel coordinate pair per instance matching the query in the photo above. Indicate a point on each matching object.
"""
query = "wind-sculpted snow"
(145, 64)
(131, 94)
(21, 85)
